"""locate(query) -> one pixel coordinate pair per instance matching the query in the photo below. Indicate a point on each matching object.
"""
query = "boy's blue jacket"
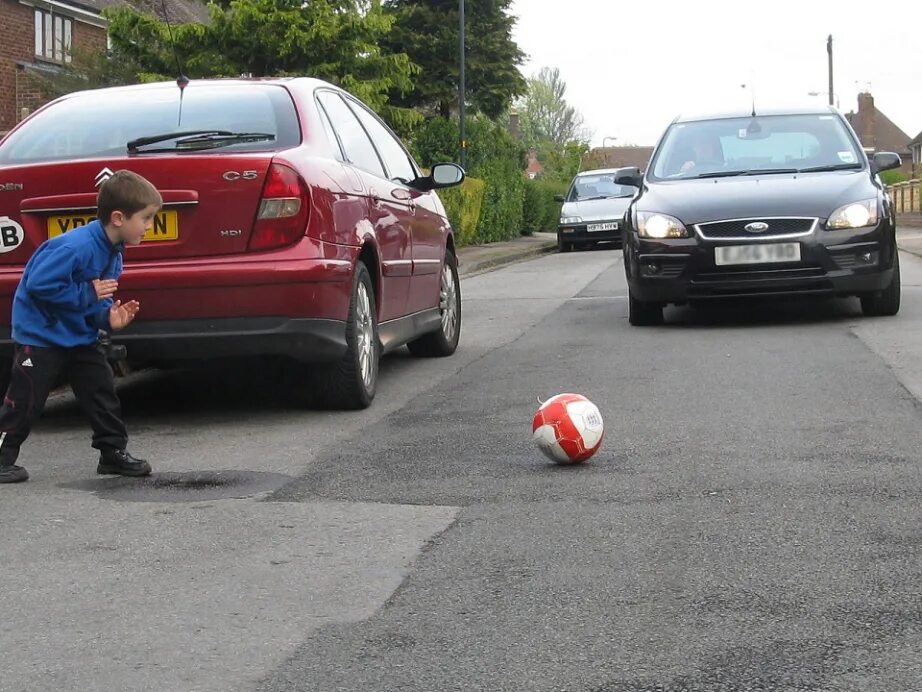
(55, 304)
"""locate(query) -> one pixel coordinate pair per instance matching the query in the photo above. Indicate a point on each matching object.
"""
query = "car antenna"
(182, 81)
(752, 94)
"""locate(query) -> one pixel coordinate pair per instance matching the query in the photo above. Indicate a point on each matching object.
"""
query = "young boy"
(64, 299)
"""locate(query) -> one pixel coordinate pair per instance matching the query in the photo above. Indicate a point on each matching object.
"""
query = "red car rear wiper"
(134, 144)
(198, 139)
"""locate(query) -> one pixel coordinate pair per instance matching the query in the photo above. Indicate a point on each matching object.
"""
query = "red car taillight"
(283, 210)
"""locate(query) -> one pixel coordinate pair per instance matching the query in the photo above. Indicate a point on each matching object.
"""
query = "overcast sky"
(631, 67)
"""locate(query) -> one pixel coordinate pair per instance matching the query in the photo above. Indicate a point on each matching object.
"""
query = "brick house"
(878, 133)
(915, 147)
(39, 36)
(617, 157)
(534, 169)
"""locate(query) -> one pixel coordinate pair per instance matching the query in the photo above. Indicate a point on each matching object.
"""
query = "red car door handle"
(404, 196)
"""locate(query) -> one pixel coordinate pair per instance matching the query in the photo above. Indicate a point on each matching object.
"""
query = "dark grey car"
(775, 204)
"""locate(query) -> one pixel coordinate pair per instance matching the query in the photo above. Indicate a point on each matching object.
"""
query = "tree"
(562, 163)
(545, 116)
(427, 30)
(87, 69)
(336, 40)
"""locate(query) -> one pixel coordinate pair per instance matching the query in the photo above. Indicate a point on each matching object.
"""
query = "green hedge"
(495, 159)
(893, 177)
(501, 216)
(463, 205)
(541, 212)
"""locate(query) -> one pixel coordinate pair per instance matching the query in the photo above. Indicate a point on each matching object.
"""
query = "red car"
(295, 224)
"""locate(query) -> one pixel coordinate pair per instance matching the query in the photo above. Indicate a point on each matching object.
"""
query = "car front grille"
(760, 282)
(736, 228)
(751, 275)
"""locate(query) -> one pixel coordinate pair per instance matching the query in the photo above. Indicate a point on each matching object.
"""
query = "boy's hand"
(120, 316)
(105, 288)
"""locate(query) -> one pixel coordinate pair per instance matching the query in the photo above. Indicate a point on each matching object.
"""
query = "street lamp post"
(461, 89)
(604, 152)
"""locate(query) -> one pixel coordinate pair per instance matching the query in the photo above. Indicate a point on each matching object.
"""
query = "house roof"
(534, 165)
(177, 11)
(620, 157)
(916, 141)
(875, 129)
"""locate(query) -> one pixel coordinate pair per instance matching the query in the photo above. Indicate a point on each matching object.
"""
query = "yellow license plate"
(166, 225)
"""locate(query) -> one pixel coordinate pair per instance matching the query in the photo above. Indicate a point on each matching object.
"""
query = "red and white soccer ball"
(568, 428)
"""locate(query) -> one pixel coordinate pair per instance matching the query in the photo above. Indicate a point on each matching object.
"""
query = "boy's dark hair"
(126, 192)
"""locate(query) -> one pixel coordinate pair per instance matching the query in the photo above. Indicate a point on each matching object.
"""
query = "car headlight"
(659, 226)
(854, 215)
(564, 220)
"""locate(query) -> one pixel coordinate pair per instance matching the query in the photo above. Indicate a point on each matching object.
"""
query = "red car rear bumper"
(273, 303)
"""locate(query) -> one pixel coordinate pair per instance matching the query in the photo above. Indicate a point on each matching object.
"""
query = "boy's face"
(131, 229)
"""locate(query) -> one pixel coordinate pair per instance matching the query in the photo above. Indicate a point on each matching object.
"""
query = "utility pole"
(829, 51)
(461, 89)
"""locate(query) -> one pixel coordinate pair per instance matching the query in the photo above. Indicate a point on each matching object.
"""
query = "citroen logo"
(103, 176)
(756, 227)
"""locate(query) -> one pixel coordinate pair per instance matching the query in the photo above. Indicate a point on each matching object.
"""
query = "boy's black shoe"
(121, 463)
(13, 474)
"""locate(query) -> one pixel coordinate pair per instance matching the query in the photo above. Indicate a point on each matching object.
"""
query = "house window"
(53, 36)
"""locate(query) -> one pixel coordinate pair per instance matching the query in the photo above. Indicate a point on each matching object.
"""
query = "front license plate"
(757, 254)
(593, 227)
(166, 225)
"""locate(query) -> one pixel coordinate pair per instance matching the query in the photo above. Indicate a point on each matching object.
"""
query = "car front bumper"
(578, 234)
(832, 263)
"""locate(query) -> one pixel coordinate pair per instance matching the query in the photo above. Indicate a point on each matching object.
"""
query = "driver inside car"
(706, 155)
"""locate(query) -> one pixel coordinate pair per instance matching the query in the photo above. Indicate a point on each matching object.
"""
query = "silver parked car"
(593, 209)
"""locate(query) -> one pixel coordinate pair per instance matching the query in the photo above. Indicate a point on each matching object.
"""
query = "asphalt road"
(752, 521)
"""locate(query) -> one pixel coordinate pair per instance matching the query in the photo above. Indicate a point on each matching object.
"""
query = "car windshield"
(755, 145)
(599, 186)
(101, 124)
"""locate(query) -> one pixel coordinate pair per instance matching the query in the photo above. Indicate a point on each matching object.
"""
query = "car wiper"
(753, 171)
(208, 141)
(589, 199)
(831, 167)
(134, 144)
(721, 174)
(760, 171)
(198, 139)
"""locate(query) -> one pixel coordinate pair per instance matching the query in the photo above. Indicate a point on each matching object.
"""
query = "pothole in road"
(189, 486)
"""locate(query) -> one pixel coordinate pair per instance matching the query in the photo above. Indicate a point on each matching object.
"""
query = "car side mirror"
(630, 176)
(441, 175)
(560, 198)
(885, 161)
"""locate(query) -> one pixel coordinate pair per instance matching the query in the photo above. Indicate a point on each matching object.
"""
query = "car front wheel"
(641, 314)
(884, 303)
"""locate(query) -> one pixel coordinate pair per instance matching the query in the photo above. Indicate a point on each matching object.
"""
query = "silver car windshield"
(601, 186)
(756, 145)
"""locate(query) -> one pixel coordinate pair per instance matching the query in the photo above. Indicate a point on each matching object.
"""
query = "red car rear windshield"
(100, 124)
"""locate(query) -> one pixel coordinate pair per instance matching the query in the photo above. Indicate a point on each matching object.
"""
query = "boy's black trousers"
(35, 371)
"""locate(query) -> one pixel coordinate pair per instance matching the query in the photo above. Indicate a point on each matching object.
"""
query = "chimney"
(867, 120)
(514, 123)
